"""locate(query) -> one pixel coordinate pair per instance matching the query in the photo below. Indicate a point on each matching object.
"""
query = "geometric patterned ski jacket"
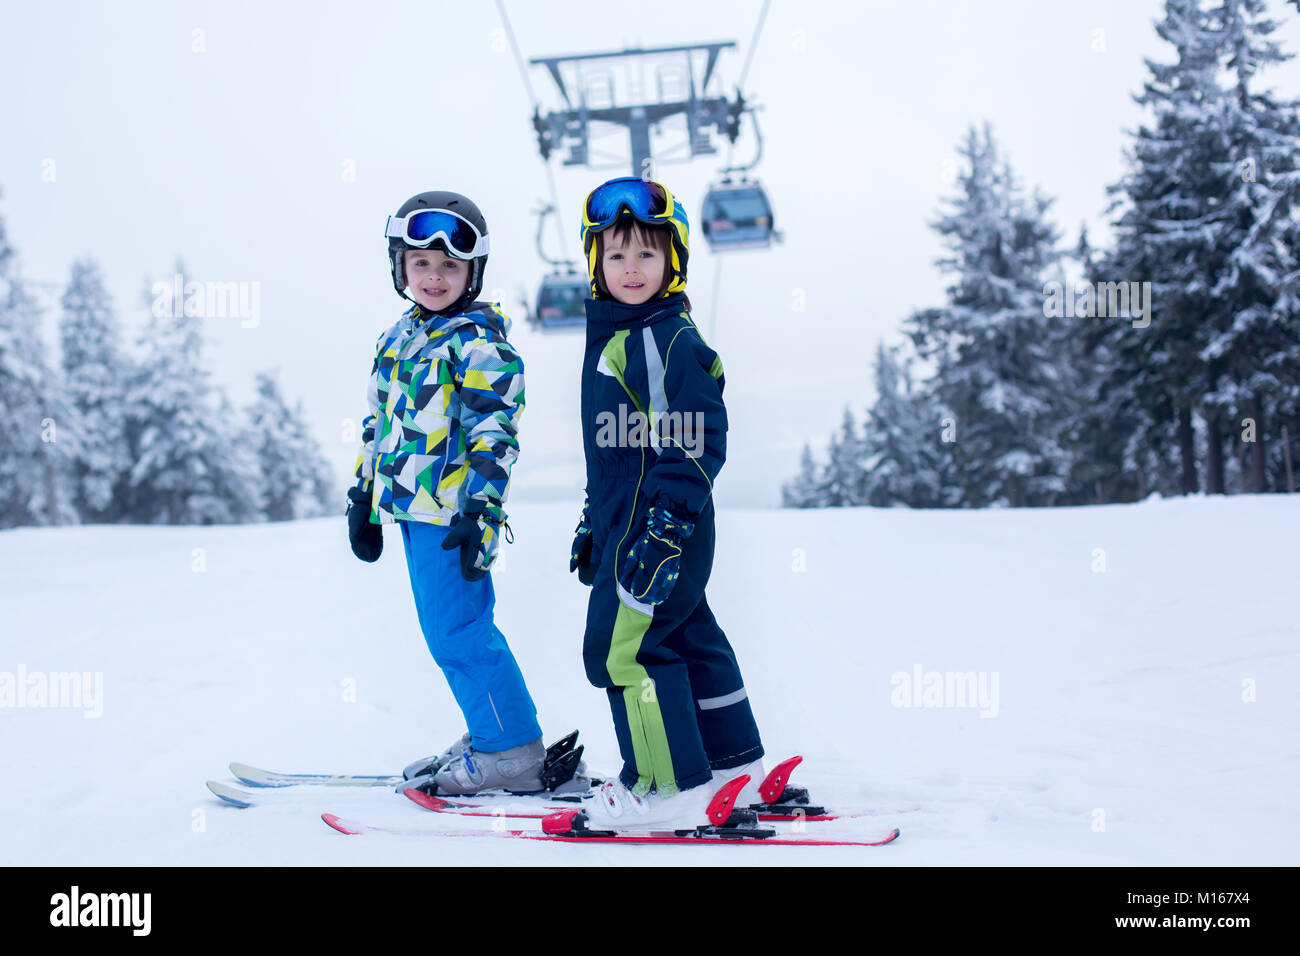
(445, 397)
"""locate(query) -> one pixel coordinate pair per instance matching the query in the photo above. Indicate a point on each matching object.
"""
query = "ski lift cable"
(523, 74)
(753, 44)
(555, 202)
(519, 61)
(749, 58)
(713, 309)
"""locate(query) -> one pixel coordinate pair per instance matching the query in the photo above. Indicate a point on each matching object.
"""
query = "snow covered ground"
(1141, 714)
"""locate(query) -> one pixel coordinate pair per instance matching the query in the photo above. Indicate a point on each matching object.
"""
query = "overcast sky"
(267, 142)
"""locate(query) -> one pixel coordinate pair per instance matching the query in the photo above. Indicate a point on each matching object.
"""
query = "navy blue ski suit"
(679, 702)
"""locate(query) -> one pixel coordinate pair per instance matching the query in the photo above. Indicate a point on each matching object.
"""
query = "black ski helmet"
(453, 202)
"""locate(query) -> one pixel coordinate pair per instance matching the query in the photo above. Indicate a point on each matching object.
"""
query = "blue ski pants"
(456, 618)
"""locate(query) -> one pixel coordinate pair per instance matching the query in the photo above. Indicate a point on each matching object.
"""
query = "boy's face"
(435, 279)
(633, 267)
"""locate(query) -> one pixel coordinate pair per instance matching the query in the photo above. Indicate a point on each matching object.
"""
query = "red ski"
(726, 825)
(354, 828)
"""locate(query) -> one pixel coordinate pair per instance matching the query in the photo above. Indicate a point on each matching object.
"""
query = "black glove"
(476, 531)
(580, 555)
(367, 539)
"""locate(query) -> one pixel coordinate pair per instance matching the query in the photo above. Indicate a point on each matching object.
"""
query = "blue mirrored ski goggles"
(647, 201)
(424, 227)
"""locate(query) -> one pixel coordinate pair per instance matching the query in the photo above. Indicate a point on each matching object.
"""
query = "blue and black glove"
(367, 539)
(580, 555)
(649, 570)
(476, 531)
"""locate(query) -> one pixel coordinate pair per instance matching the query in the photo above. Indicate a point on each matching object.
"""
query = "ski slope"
(1119, 732)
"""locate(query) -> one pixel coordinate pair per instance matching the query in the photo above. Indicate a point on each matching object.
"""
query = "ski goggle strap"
(424, 227)
(649, 202)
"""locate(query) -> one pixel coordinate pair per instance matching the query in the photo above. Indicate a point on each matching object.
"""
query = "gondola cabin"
(560, 302)
(736, 216)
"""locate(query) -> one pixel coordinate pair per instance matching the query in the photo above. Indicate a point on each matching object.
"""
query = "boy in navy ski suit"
(654, 437)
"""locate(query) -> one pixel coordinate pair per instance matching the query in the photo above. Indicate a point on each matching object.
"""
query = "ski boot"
(517, 770)
(528, 769)
(431, 765)
(703, 811)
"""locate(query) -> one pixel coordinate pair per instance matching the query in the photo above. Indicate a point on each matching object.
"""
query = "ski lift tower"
(588, 87)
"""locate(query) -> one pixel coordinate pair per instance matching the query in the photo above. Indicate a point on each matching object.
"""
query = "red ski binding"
(784, 802)
(724, 801)
(773, 785)
(560, 823)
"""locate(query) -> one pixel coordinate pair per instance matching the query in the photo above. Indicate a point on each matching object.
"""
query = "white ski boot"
(616, 808)
(706, 809)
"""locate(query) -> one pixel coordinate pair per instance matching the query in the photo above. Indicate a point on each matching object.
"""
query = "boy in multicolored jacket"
(446, 394)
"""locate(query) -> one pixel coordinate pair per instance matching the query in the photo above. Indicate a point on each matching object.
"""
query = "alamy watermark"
(75, 908)
(946, 689)
(1091, 300)
(64, 690)
(630, 429)
(208, 300)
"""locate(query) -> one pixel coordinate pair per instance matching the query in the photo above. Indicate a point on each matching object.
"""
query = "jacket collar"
(609, 315)
(476, 313)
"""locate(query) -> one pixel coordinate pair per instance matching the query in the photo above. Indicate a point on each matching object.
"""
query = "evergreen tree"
(845, 474)
(231, 490)
(191, 465)
(804, 490)
(992, 345)
(1102, 422)
(906, 461)
(32, 449)
(1170, 233)
(1257, 324)
(95, 370)
(295, 480)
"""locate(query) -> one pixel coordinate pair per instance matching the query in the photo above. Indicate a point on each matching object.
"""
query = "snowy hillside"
(1120, 723)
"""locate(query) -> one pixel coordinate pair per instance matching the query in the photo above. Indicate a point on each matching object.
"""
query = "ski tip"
(247, 775)
(235, 798)
(343, 826)
(893, 835)
(426, 800)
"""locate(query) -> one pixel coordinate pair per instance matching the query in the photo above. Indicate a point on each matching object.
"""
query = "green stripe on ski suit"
(645, 721)
(615, 356)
